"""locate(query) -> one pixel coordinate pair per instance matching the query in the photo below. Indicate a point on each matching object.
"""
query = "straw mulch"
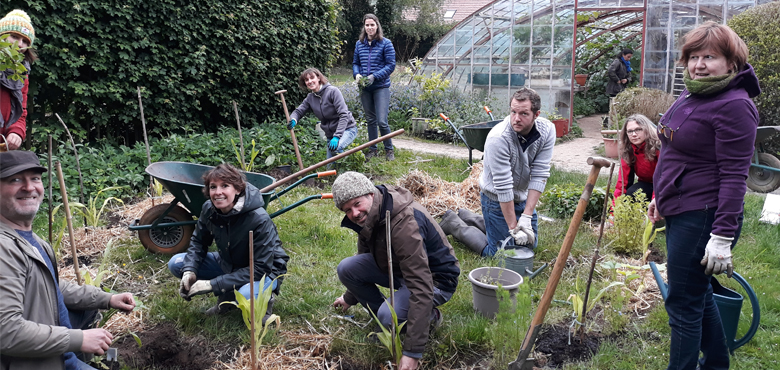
(437, 195)
(645, 288)
(300, 350)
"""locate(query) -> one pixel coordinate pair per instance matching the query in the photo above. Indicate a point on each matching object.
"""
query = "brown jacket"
(422, 256)
(30, 337)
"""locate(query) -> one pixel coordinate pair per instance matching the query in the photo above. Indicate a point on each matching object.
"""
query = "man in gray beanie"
(425, 270)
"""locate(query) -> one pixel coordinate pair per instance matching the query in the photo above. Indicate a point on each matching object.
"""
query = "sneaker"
(371, 154)
(436, 319)
(390, 155)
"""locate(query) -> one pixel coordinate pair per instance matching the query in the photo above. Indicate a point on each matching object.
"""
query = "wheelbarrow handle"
(489, 112)
(326, 173)
(443, 117)
(447, 120)
(327, 195)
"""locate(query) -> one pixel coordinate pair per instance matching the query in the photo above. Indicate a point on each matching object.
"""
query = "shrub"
(759, 28)
(191, 59)
(642, 100)
(560, 201)
(628, 230)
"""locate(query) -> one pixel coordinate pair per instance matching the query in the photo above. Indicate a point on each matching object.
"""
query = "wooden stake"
(240, 136)
(50, 197)
(392, 287)
(78, 165)
(68, 217)
(252, 355)
(143, 124)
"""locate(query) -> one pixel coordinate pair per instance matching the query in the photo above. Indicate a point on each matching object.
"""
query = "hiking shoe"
(390, 155)
(220, 309)
(371, 154)
(436, 319)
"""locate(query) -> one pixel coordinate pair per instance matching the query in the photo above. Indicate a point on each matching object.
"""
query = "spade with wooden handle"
(292, 131)
(523, 362)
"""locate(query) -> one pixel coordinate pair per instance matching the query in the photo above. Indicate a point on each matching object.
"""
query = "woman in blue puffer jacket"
(375, 58)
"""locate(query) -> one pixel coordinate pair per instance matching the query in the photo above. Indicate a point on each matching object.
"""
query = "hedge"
(759, 28)
(190, 57)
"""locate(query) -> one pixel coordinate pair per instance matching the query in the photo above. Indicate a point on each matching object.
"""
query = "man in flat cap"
(41, 317)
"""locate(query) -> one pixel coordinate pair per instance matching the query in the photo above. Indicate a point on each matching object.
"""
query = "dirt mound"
(164, 347)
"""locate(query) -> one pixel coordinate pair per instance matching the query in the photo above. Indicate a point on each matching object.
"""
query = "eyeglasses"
(667, 131)
(635, 131)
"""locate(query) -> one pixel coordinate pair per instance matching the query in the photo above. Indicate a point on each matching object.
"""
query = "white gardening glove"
(357, 77)
(200, 287)
(521, 238)
(186, 282)
(524, 227)
(717, 256)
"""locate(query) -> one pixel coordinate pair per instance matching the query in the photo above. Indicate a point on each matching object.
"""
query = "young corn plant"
(253, 153)
(577, 303)
(91, 212)
(157, 188)
(386, 337)
(647, 237)
(261, 305)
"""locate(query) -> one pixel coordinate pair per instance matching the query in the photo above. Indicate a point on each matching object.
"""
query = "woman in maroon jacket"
(13, 93)
(639, 147)
(707, 139)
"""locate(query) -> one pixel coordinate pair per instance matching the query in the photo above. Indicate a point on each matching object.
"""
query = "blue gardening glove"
(334, 143)
(292, 123)
(370, 80)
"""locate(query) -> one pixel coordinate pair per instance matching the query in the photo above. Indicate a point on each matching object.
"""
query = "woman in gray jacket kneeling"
(327, 103)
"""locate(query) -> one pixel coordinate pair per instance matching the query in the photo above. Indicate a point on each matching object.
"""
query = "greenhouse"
(509, 44)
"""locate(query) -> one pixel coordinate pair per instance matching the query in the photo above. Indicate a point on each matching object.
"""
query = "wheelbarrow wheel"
(166, 240)
(762, 180)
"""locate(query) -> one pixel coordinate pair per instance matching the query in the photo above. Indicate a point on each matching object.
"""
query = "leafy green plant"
(648, 236)
(157, 188)
(512, 320)
(560, 201)
(261, 305)
(91, 212)
(11, 58)
(248, 165)
(629, 227)
(386, 337)
(577, 302)
(363, 82)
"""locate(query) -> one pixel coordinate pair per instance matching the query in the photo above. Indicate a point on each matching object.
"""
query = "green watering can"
(729, 305)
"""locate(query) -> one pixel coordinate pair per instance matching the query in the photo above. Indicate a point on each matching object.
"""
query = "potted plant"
(561, 124)
(610, 137)
(581, 79)
(485, 281)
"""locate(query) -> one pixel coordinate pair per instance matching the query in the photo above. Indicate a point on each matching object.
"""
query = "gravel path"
(569, 156)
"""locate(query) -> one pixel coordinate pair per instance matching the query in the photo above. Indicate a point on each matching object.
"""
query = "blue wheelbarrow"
(167, 228)
(729, 305)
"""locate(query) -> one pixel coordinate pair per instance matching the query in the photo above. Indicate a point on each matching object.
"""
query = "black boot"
(220, 308)
(470, 236)
(270, 309)
(472, 219)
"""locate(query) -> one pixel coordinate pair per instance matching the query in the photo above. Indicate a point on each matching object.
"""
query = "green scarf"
(707, 85)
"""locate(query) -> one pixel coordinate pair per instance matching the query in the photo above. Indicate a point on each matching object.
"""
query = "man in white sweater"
(516, 167)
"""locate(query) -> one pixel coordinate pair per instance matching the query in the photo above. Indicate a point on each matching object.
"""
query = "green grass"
(315, 243)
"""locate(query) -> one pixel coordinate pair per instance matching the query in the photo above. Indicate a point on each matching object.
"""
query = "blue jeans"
(360, 275)
(693, 314)
(495, 225)
(347, 138)
(210, 269)
(376, 105)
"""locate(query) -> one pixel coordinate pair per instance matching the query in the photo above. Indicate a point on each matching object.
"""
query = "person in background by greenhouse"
(639, 146)
(374, 59)
(707, 138)
(516, 166)
(328, 105)
(234, 208)
(13, 93)
(619, 73)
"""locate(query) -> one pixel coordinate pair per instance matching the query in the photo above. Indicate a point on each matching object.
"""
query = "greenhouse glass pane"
(521, 54)
(735, 9)
(563, 36)
(461, 76)
(677, 41)
(654, 81)
(656, 39)
(542, 34)
(540, 77)
(522, 35)
(445, 50)
(447, 40)
(609, 3)
(656, 62)
(561, 76)
(482, 54)
(657, 16)
(632, 3)
(711, 12)
(541, 56)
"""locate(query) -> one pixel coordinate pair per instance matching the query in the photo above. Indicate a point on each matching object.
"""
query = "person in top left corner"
(13, 93)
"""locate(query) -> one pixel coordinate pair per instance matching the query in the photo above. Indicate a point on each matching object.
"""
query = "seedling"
(261, 305)
(90, 211)
(386, 337)
(250, 164)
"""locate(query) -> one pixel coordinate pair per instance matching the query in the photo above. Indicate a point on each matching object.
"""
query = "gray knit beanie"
(350, 185)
